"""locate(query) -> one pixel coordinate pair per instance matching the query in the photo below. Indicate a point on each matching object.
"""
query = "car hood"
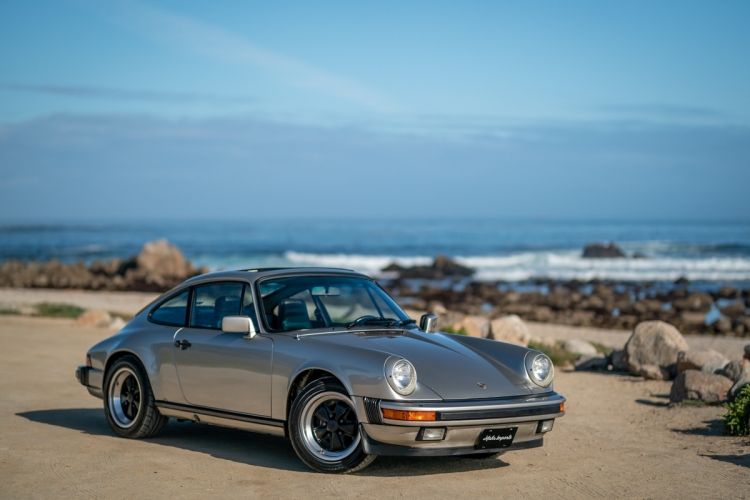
(451, 369)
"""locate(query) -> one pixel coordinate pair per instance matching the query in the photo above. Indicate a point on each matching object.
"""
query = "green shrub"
(450, 329)
(737, 418)
(50, 310)
(556, 353)
(9, 312)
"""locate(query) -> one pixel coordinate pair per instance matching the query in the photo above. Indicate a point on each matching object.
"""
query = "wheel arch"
(118, 355)
(304, 378)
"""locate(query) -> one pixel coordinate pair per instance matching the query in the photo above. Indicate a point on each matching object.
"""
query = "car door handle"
(182, 344)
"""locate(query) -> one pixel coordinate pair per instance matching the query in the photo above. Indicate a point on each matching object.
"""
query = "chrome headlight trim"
(535, 363)
(395, 370)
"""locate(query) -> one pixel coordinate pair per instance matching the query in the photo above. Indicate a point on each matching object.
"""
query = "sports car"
(326, 358)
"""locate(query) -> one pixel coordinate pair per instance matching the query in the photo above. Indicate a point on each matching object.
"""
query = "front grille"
(499, 413)
(372, 409)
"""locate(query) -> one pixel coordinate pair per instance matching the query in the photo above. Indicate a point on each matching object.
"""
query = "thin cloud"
(213, 42)
(87, 92)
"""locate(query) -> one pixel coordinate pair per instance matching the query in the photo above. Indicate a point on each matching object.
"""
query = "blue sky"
(533, 109)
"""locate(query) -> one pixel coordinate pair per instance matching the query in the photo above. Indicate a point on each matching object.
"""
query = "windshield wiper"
(367, 320)
(405, 322)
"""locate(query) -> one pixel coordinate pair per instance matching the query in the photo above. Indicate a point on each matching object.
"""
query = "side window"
(172, 312)
(248, 307)
(212, 302)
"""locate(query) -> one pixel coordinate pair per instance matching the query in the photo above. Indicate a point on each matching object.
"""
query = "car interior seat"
(225, 306)
(293, 315)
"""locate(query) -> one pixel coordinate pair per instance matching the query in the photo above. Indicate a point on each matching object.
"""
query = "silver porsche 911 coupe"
(326, 358)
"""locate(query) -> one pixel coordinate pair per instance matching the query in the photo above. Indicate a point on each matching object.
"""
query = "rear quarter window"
(173, 311)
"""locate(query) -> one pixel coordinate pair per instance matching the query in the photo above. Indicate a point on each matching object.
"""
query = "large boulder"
(694, 359)
(442, 267)
(161, 258)
(735, 370)
(578, 346)
(600, 251)
(94, 317)
(692, 384)
(653, 372)
(510, 329)
(474, 326)
(715, 366)
(654, 343)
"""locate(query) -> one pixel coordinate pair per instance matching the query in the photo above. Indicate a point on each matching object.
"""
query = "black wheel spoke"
(322, 414)
(335, 442)
(348, 429)
(320, 432)
(340, 410)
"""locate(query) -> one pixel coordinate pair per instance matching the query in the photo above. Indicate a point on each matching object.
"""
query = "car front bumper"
(463, 421)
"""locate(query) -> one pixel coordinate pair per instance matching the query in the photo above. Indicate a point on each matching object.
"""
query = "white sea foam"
(562, 265)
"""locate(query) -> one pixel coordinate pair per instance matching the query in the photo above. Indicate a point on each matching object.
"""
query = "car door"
(220, 370)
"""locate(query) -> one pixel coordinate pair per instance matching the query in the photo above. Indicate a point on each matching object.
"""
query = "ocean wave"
(562, 265)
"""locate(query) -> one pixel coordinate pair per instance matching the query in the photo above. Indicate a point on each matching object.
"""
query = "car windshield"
(307, 302)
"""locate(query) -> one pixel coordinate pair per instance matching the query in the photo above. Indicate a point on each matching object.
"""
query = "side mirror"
(238, 324)
(428, 323)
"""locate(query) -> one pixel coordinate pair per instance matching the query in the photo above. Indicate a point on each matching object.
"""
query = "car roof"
(252, 275)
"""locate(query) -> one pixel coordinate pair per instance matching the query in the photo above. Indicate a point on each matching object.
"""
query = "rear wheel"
(129, 402)
(324, 429)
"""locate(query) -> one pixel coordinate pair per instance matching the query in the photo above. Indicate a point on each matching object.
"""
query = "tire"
(332, 445)
(129, 402)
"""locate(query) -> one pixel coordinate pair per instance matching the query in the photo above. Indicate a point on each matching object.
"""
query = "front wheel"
(129, 402)
(324, 429)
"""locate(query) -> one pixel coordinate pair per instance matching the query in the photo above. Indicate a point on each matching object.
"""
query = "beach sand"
(619, 439)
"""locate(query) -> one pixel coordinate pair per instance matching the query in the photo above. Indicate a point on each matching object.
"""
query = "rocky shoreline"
(603, 304)
(445, 288)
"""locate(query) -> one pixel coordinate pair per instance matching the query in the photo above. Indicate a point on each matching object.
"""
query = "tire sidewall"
(135, 366)
(357, 460)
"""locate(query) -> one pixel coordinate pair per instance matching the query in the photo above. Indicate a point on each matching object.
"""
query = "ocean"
(714, 253)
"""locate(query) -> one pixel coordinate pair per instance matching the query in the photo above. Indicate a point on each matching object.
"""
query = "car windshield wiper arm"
(369, 320)
(405, 322)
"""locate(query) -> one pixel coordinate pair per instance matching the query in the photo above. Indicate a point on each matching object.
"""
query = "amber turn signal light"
(562, 407)
(422, 416)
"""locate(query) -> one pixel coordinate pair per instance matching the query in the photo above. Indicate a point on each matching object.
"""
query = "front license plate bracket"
(496, 438)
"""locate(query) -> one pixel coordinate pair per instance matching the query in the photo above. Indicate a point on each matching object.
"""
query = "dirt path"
(618, 440)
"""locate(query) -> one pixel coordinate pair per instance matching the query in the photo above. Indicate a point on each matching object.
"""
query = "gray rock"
(510, 329)
(654, 343)
(600, 251)
(578, 346)
(734, 310)
(692, 384)
(694, 359)
(653, 372)
(737, 387)
(722, 325)
(595, 362)
(617, 360)
(715, 366)
(735, 370)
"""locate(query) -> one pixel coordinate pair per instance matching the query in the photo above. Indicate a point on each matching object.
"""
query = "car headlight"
(402, 377)
(540, 369)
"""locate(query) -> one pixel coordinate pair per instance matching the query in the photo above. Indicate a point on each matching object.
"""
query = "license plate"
(496, 438)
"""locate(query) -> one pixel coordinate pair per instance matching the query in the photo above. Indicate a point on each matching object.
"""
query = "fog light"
(431, 434)
(545, 426)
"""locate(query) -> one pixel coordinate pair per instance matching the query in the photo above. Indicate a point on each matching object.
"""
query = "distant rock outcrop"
(158, 267)
(441, 268)
(600, 251)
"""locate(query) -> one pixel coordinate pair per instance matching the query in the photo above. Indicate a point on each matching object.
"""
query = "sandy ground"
(619, 439)
(128, 303)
